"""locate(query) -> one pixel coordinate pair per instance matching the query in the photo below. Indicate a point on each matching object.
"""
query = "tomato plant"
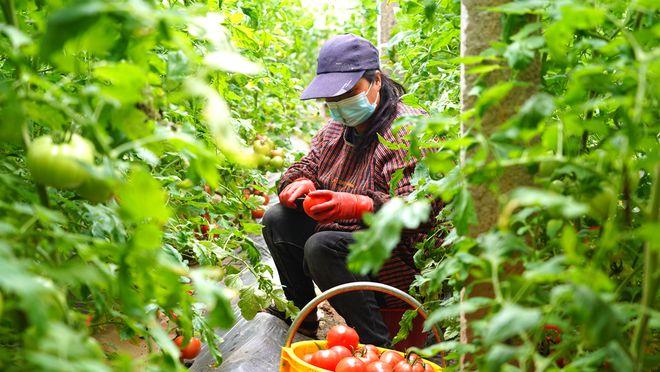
(584, 144)
(116, 115)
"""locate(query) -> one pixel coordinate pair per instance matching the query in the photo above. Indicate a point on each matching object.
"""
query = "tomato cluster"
(261, 197)
(270, 157)
(344, 354)
(203, 232)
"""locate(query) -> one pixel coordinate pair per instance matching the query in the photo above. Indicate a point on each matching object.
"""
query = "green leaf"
(217, 298)
(511, 320)
(63, 349)
(251, 301)
(122, 82)
(375, 245)
(492, 96)
(523, 7)
(468, 306)
(405, 326)
(535, 109)
(70, 22)
(15, 36)
(499, 354)
(463, 213)
(545, 271)
(396, 177)
(142, 198)
(554, 203)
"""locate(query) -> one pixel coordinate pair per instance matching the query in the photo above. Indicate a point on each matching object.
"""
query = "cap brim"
(331, 84)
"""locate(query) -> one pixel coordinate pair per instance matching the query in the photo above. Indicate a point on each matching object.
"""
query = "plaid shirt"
(333, 164)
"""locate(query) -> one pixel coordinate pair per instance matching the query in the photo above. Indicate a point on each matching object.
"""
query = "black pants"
(302, 256)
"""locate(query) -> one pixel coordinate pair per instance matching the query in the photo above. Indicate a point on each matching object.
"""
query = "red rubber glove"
(294, 190)
(328, 206)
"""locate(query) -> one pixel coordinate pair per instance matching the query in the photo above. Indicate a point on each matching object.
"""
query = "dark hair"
(390, 94)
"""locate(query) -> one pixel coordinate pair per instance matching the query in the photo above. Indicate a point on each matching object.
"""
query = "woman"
(346, 173)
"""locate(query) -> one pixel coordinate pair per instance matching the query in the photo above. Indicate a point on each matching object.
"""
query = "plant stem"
(43, 195)
(650, 280)
(9, 12)
(627, 197)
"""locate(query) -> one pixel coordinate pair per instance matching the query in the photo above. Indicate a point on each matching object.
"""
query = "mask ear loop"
(367, 93)
(368, 90)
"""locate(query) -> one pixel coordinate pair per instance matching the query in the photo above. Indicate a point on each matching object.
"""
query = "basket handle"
(353, 287)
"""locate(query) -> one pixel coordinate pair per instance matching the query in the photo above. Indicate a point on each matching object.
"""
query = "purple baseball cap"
(342, 62)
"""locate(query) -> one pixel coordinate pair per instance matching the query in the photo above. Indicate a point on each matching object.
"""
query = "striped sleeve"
(307, 166)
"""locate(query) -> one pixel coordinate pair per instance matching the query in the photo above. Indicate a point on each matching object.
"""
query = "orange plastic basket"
(291, 357)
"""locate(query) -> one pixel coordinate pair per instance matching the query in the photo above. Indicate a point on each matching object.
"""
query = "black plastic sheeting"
(249, 346)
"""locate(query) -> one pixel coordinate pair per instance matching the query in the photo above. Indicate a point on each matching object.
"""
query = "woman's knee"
(320, 250)
(274, 216)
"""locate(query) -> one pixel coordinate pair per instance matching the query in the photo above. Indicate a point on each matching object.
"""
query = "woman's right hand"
(294, 190)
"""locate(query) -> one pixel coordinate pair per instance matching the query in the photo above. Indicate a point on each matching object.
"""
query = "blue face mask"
(353, 111)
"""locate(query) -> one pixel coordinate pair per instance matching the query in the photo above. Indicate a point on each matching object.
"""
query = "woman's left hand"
(328, 206)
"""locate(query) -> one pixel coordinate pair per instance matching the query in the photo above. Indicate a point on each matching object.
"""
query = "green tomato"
(61, 165)
(557, 186)
(277, 162)
(263, 160)
(98, 187)
(262, 147)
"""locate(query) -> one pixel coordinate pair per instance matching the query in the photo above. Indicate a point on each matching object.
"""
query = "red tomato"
(307, 358)
(191, 350)
(311, 201)
(258, 213)
(372, 348)
(379, 367)
(553, 333)
(342, 351)
(412, 358)
(403, 366)
(266, 199)
(391, 357)
(368, 356)
(246, 193)
(417, 366)
(351, 364)
(326, 359)
(343, 335)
